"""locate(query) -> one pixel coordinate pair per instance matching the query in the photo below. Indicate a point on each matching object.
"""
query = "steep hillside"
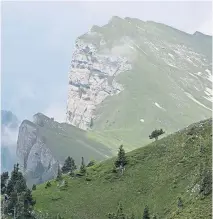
(130, 76)
(44, 143)
(178, 165)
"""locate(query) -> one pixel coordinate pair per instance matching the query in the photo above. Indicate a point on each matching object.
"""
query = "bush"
(48, 184)
(91, 163)
(156, 133)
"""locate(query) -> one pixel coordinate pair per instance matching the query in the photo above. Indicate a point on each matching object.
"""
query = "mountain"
(9, 133)
(156, 175)
(129, 77)
(44, 144)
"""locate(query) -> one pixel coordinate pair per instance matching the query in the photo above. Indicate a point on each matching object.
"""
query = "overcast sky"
(38, 40)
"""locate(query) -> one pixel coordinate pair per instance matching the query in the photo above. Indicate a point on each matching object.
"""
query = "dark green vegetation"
(172, 176)
(17, 198)
(156, 133)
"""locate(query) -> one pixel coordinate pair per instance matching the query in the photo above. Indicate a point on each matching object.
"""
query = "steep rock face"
(44, 144)
(91, 80)
(36, 160)
(129, 77)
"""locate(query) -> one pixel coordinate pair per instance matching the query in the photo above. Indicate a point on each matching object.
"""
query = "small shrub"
(91, 163)
(34, 187)
(206, 183)
(48, 184)
(180, 203)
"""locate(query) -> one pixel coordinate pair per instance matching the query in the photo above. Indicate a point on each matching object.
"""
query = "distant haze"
(38, 40)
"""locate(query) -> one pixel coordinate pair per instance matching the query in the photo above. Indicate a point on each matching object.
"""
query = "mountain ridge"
(43, 145)
(163, 73)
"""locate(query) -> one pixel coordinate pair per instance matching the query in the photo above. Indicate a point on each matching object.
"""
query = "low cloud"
(57, 111)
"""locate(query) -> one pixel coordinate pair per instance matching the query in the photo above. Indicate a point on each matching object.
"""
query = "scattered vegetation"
(165, 175)
(34, 187)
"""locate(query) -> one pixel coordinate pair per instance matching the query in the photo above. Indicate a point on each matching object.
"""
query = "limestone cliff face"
(92, 78)
(35, 158)
(44, 144)
(135, 75)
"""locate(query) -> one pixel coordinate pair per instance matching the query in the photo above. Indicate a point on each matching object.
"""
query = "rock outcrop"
(92, 78)
(35, 158)
(44, 144)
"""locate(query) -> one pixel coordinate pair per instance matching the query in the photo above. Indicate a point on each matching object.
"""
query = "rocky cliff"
(129, 77)
(91, 80)
(44, 144)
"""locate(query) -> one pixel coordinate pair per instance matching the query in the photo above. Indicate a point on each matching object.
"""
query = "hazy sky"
(38, 39)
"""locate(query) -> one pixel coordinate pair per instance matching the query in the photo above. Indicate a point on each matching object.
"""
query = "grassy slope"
(151, 80)
(156, 175)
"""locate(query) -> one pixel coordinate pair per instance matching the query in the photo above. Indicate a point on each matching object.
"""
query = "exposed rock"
(91, 80)
(35, 159)
(45, 144)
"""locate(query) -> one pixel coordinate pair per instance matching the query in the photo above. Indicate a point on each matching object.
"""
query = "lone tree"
(146, 213)
(156, 133)
(83, 167)
(69, 165)
(121, 158)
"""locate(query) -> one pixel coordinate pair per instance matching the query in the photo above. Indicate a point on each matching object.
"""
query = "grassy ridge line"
(156, 175)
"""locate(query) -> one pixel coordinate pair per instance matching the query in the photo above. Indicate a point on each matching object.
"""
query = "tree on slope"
(121, 158)
(156, 133)
(146, 213)
(82, 167)
(20, 201)
(4, 179)
(67, 165)
(59, 174)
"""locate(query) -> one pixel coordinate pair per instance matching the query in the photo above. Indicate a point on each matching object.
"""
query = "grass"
(156, 175)
(150, 80)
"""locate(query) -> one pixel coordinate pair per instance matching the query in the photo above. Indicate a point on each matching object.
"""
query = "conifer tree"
(83, 167)
(4, 179)
(120, 214)
(59, 174)
(20, 202)
(67, 165)
(34, 187)
(121, 158)
(146, 213)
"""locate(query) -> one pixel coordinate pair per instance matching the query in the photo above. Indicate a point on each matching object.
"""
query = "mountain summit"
(129, 77)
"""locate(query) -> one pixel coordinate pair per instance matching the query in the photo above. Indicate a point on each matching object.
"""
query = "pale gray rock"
(35, 158)
(92, 78)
